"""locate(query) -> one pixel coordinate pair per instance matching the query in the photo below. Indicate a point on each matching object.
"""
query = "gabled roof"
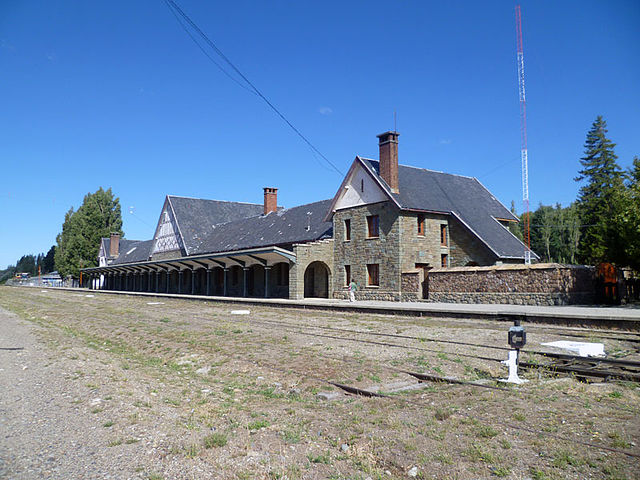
(130, 250)
(299, 224)
(462, 197)
(196, 218)
(133, 251)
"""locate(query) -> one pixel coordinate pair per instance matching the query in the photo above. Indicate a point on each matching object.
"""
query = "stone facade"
(360, 250)
(307, 254)
(466, 248)
(421, 249)
(538, 284)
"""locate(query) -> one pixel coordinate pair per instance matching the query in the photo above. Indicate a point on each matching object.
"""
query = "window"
(444, 260)
(373, 274)
(443, 235)
(347, 229)
(362, 185)
(373, 226)
(347, 274)
(421, 225)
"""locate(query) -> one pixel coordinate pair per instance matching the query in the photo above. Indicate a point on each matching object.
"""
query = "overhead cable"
(179, 13)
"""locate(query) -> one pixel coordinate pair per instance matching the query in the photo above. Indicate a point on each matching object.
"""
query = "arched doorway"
(316, 280)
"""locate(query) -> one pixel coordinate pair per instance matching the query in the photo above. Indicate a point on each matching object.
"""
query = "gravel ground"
(120, 387)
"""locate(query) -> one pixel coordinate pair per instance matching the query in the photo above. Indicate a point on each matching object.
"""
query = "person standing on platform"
(353, 288)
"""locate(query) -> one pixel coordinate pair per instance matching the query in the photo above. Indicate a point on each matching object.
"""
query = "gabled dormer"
(167, 241)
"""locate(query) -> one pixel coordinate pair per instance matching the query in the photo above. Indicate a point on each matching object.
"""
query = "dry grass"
(240, 396)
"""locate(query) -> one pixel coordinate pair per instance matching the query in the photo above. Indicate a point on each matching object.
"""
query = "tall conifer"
(601, 198)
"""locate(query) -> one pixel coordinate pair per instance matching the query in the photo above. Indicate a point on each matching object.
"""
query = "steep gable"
(360, 188)
(167, 237)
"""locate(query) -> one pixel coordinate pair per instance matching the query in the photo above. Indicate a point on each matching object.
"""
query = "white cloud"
(445, 141)
(325, 110)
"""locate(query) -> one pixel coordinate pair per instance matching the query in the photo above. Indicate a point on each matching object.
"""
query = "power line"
(175, 9)
(206, 54)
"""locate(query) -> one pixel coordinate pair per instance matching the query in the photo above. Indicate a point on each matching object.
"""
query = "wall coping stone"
(507, 267)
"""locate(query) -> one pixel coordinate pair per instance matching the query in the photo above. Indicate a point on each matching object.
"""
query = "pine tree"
(601, 199)
(79, 242)
(628, 219)
(48, 263)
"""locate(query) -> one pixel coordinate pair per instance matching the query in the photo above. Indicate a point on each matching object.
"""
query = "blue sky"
(115, 94)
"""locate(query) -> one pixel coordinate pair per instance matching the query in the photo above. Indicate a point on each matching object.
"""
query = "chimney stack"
(114, 245)
(270, 200)
(388, 143)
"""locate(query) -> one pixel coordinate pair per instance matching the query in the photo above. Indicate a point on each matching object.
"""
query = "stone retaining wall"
(538, 284)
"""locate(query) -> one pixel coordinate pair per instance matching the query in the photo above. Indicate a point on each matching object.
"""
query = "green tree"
(26, 264)
(570, 234)
(601, 199)
(79, 242)
(516, 227)
(48, 262)
(628, 219)
(7, 274)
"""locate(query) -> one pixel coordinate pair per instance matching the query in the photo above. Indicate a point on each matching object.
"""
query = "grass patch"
(325, 459)
(258, 424)
(215, 440)
(564, 458)
(486, 431)
(108, 424)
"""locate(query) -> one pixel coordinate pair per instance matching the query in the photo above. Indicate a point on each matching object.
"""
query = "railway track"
(582, 367)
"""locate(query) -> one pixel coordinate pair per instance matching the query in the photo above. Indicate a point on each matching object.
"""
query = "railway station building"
(387, 226)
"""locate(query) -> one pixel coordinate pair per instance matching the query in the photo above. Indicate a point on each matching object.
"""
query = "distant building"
(386, 227)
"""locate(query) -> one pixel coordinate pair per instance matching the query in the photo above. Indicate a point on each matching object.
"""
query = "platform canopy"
(266, 256)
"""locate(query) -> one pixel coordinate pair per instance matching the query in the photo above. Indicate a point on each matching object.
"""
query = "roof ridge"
(425, 169)
(277, 212)
(214, 200)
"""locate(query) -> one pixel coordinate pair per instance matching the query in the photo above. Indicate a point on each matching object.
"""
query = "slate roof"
(463, 197)
(197, 218)
(299, 224)
(130, 250)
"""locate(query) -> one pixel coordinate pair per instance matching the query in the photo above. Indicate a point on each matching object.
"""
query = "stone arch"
(317, 277)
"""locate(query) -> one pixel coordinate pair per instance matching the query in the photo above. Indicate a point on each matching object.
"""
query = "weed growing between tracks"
(188, 384)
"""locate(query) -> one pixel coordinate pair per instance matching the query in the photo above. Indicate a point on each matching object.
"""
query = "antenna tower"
(523, 140)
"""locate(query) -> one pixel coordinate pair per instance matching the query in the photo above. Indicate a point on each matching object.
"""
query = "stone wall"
(306, 254)
(537, 284)
(361, 250)
(411, 286)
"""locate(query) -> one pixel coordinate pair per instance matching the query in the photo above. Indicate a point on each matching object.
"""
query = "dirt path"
(44, 434)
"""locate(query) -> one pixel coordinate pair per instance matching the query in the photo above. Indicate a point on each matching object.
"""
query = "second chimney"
(270, 200)
(388, 143)
(114, 245)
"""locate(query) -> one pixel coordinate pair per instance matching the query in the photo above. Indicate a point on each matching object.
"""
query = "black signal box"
(517, 337)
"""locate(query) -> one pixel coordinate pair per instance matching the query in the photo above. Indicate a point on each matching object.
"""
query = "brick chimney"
(270, 200)
(114, 245)
(388, 143)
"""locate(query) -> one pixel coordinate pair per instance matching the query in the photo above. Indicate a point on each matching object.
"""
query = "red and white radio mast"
(523, 140)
